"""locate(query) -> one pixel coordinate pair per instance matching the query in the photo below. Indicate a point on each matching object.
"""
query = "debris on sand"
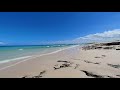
(38, 76)
(91, 62)
(104, 55)
(96, 63)
(114, 66)
(62, 61)
(87, 61)
(118, 75)
(64, 65)
(77, 65)
(95, 75)
(117, 49)
(107, 46)
(25, 76)
(97, 57)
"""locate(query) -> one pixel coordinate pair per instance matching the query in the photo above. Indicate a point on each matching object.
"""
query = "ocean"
(11, 53)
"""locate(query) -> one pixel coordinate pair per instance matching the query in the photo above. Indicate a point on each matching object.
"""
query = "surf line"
(36, 57)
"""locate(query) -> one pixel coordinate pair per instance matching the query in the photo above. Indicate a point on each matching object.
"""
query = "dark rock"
(99, 47)
(108, 48)
(25, 76)
(118, 75)
(111, 43)
(117, 49)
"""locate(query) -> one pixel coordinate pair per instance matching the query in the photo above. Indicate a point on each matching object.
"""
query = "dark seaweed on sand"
(95, 75)
(91, 74)
(114, 66)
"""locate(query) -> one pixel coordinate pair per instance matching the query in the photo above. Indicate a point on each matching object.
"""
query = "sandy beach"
(91, 61)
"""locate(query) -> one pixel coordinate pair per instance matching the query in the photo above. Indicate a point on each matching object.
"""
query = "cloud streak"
(2, 43)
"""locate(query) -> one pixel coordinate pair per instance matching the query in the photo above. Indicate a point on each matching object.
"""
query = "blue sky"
(42, 27)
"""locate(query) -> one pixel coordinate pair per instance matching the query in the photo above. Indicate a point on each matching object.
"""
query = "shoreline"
(24, 56)
(30, 57)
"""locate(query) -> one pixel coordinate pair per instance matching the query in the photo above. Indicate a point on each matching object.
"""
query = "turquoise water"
(11, 52)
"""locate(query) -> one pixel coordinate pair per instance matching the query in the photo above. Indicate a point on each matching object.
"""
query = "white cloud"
(98, 37)
(105, 36)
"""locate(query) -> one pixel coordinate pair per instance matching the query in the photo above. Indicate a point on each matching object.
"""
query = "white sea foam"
(26, 58)
(47, 46)
(20, 49)
(14, 59)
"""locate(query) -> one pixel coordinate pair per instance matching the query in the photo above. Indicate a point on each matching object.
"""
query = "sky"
(18, 28)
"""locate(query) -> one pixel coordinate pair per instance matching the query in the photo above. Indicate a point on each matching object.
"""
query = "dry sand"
(69, 63)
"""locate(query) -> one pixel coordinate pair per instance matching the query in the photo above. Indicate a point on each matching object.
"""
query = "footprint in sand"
(102, 56)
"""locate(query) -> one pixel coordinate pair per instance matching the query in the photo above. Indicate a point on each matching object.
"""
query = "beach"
(90, 61)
